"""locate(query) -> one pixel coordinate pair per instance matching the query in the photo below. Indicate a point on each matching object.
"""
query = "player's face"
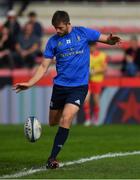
(28, 29)
(62, 29)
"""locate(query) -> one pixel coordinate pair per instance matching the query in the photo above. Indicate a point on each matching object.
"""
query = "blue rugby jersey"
(72, 55)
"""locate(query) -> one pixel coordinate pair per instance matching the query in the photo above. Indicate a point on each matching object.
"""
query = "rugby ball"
(32, 129)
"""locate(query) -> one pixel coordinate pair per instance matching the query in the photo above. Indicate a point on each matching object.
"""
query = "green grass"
(16, 153)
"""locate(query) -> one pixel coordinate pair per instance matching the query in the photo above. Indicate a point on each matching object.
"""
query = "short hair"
(60, 16)
(32, 14)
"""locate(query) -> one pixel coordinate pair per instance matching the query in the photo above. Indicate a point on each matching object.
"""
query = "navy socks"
(60, 139)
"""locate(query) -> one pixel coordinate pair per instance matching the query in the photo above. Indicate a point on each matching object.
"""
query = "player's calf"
(54, 117)
(53, 123)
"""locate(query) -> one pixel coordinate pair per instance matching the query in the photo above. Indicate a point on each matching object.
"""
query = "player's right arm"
(96, 36)
(36, 77)
(109, 39)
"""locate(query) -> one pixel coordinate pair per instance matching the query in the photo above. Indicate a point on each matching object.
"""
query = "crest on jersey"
(59, 43)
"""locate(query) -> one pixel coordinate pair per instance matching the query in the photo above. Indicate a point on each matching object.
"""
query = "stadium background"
(120, 93)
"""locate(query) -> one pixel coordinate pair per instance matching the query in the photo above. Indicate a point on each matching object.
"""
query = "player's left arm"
(109, 39)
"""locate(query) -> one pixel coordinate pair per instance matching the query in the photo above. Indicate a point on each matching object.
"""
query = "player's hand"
(112, 40)
(21, 86)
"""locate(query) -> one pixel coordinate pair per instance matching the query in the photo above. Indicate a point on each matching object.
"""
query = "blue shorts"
(62, 95)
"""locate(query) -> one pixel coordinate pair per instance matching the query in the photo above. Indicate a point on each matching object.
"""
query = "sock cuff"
(63, 129)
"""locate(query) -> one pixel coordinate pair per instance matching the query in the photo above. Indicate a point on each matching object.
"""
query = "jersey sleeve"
(49, 49)
(92, 35)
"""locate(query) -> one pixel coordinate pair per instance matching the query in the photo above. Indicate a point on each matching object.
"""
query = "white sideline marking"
(83, 160)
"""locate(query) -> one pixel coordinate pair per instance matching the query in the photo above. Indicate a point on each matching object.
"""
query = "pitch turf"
(16, 153)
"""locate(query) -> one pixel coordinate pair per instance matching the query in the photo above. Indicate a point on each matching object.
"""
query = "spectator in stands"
(26, 48)
(24, 5)
(131, 62)
(37, 27)
(5, 46)
(13, 25)
(37, 31)
(98, 66)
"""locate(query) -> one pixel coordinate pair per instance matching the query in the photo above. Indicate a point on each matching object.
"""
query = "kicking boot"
(52, 163)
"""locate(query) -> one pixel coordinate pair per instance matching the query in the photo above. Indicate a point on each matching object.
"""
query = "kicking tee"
(72, 56)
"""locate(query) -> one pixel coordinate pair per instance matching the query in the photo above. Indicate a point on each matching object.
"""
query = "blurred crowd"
(20, 46)
(131, 61)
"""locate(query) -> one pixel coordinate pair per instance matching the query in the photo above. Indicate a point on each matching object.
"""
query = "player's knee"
(65, 121)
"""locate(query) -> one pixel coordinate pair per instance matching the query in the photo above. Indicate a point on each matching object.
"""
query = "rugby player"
(98, 67)
(70, 48)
